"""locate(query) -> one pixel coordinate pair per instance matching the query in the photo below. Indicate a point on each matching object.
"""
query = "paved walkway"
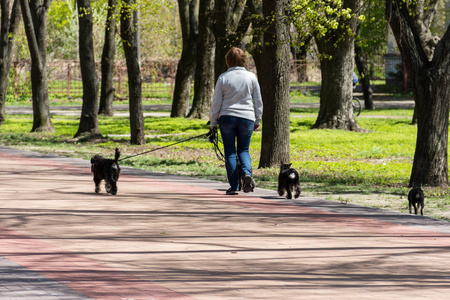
(171, 237)
(163, 110)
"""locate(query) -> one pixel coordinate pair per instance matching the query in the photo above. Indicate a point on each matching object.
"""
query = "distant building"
(392, 62)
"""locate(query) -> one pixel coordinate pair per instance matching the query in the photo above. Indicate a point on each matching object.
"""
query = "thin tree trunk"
(361, 65)
(8, 28)
(88, 125)
(204, 73)
(299, 54)
(275, 79)
(405, 91)
(188, 61)
(35, 23)
(109, 51)
(134, 75)
(255, 48)
(302, 68)
(365, 80)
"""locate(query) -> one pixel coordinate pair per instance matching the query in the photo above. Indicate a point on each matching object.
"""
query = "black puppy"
(106, 169)
(288, 181)
(416, 199)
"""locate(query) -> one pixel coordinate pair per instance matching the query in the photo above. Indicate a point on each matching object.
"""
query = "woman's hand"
(256, 127)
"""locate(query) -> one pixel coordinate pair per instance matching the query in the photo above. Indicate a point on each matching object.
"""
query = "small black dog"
(106, 169)
(288, 181)
(416, 199)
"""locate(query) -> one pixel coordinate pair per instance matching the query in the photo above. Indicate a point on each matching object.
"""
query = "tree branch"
(442, 52)
(424, 15)
(430, 12)
(398, 16)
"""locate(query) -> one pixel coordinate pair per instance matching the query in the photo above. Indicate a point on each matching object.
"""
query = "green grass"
(370, 169)
(301, 96)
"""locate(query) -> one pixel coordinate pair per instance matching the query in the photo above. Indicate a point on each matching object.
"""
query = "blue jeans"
(234, 129)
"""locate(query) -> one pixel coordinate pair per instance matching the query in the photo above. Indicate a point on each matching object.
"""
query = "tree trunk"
(8, 28)
(204, 73)
(405, 91)
(228, 14)
(299, 54)
(430, 165)
(109, 50)
(255, 48)
(89, 111)
(337, 64)
(35, 23)
(302, 67)
(364, 78)
(130, 47)
(275, 88)
(188, 62)
(431, 87)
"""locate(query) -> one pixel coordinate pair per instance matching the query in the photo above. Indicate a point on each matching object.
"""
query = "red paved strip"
(86, 276)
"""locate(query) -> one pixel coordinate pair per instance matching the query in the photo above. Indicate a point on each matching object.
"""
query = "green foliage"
(161, 32)
(62, 30)
(439, 25)
(319, 17)
(374, 29)
(160, 36)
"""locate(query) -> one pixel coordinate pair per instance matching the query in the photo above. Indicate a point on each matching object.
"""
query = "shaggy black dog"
(416, 199)
(106, 169)
(288, 181)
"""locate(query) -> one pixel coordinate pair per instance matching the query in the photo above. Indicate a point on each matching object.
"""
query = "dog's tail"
(117, 155)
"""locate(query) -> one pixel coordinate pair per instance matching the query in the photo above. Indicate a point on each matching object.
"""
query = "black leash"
(214, 139)
(209, 133)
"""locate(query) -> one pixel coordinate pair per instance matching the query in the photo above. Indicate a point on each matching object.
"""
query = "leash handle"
(214, 139)
(179, 142)
(212, 134)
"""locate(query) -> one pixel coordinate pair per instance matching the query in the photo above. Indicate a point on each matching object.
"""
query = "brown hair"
(236, 57)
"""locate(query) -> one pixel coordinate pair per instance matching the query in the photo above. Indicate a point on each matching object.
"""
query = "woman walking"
(237, 108)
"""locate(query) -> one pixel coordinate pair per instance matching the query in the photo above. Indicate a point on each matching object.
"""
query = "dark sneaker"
(231, 192)
(249, 184)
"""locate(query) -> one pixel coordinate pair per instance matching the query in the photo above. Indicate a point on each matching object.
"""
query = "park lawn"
(369, 169)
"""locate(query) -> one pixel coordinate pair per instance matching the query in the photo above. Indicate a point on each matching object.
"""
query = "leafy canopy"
(319, 17)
